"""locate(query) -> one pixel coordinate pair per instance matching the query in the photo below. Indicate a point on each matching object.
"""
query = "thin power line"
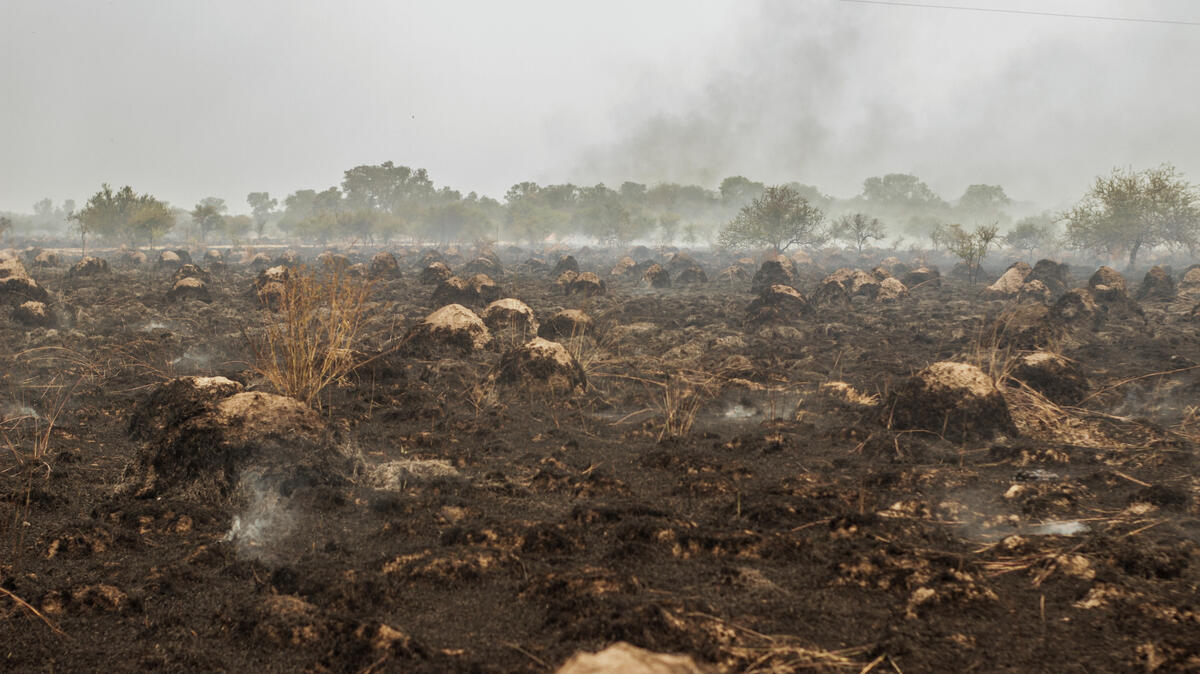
(1025, 11)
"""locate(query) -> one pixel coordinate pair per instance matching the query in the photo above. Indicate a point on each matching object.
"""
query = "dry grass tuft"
(679, 400)
(311, 345)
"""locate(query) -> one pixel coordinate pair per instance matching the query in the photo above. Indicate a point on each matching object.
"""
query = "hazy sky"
(186, 99)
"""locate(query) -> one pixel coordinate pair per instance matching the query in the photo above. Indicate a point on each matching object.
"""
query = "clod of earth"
(624, 658)
(542, 362)
(33, 314)
(189, 288)
(566, 324)
(384, 265)
(453, 328)
(957, 401)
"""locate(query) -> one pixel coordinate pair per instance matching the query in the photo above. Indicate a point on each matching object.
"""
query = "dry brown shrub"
(310, 343)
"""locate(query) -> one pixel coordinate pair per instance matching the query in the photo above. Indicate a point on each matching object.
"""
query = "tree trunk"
(1133, 252)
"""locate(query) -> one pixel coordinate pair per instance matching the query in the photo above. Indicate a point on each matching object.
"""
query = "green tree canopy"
(780, 218)
(1130, 210)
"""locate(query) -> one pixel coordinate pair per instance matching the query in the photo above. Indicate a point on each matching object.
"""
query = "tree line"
(1123, 213)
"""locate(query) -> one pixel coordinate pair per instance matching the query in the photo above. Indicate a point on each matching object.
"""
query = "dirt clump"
(190, 270)
(434, 273)
(891, 290)
(484, 265)
(16, 286)
(509, 313)
(542, 362)
(1078, 308)
(189, 288)
(656, 277)
(453, 328)
(1108, 285)
(88, 266)
(1157, 284)
(565, 263)
(955, 400)
(623, 267)
(778, 304)
(587, 284)
(279, 440)
(169, 259)
(384, 265)
(477, 290)
(1012, 281)
(922, 276)
(622, 657)
(778, 271)
(1053, 375)
(1055, 275)
(34, 314)
(174, 401)
(566, 324)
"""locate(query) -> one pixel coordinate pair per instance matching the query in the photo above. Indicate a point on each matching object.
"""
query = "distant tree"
(780, 218)
(1131, 210)
(987, 203)
(668, 226)
(1031, 233)
(737, 191)
(262, 206)
(900, 191)
(5, 225)
(858, 230)
(151, 220)
(208, 215)
(238, 226)
(108, 214)
(971, 247)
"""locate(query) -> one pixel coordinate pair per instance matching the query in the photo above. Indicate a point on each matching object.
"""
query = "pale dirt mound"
(1011, 281)
(483, 265)
(434, 273)
(46, 258)
(954, 400)
(623, 267)
(88, 266)
(281, 441)
(169, 259)
(624, 658)
(541, 362)
(452, 328)
(773, 272)
(1055, 275)
(1108, 283)
(477, 290)
(923, 276)
(175, 401)
(33, 314)
(1055, 376)
(566, 324)
(1191, 281)
(693, 275)
(190, 270)
(384, 265)
(565, 263)
(588, 285)
(657, 277)
(16, 286)
(1157, 285)
(509, 313)
(189, 288)
(891, 290)
(778, 303)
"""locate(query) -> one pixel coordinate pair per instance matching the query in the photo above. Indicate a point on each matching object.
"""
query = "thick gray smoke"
(830, 93)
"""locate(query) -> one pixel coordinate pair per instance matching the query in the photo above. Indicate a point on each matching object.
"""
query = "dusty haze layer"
(187, 100)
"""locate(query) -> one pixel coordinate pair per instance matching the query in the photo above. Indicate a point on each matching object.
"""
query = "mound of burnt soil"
(773, 272)
(566, 324)
(1157, 285)
(451, 329)
(587, 284)
(33, 314)
(16, 286)
(1053, 375)
(623, 657)
(384, 265)
(657, 277)
(510, 313)
(778, 303)
(199, 445)
(434, 273)
(542, 362)
(955, 400)
(88, 266)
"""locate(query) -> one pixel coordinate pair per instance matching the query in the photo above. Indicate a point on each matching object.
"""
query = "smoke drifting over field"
(830, 93)
(226, 98)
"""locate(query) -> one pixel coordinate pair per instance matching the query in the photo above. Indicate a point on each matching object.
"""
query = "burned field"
(765, 466)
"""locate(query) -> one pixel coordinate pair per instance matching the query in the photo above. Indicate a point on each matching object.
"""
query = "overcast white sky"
(187, 99)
